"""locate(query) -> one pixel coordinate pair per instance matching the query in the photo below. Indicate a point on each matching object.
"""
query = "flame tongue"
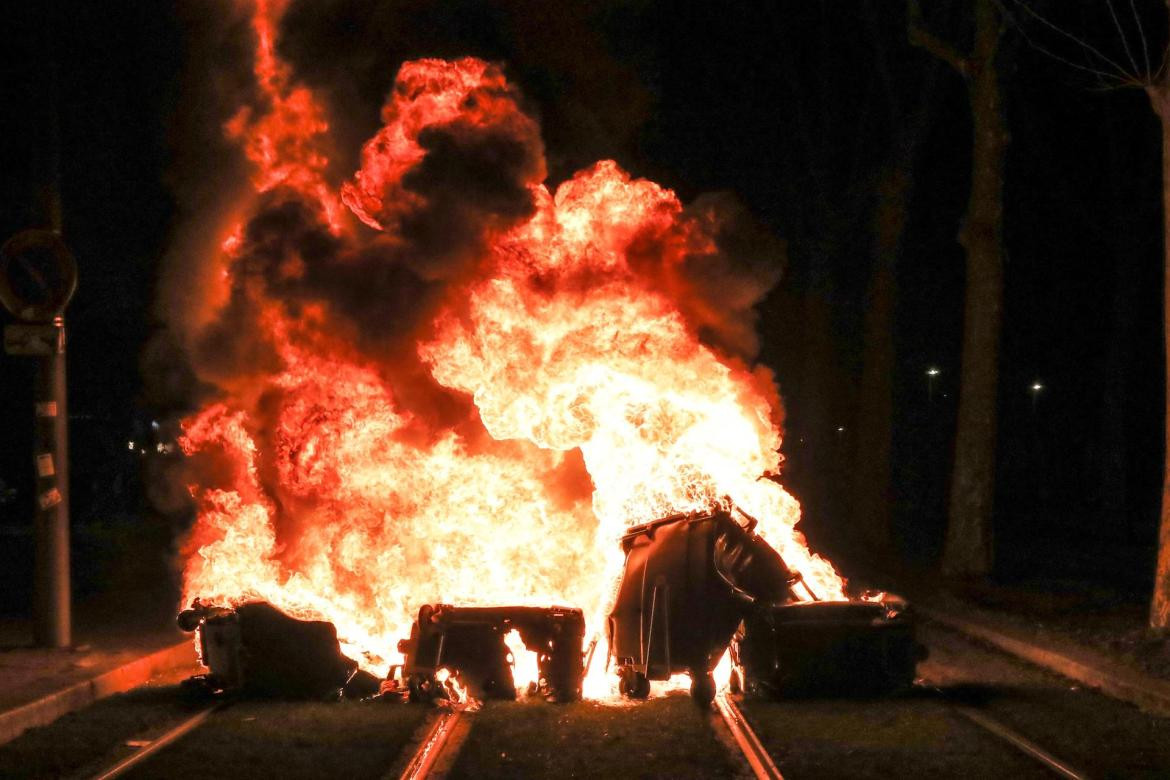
(343, 474)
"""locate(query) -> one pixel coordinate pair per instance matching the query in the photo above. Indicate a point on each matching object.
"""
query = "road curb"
(1151, 695)
(45, 710)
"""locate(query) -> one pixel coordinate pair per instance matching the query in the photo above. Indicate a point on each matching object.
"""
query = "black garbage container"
(844, 648)
(259, 650)
(470, 641)
(689, 580)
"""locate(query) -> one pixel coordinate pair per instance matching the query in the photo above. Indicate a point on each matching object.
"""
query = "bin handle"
(797, 577)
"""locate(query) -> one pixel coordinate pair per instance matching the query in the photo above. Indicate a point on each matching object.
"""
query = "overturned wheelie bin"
(256, 649)
(469, 641)
(689, 580)
(835, 648)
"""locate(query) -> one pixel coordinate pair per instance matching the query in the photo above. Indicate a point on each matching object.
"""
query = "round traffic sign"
(37, 275)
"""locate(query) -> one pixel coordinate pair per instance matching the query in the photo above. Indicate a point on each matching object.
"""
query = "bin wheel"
(421, 689)
(702, 689)
(633, 684)
(625, 681)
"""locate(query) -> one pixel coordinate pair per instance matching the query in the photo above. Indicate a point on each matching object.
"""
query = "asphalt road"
(924, 734)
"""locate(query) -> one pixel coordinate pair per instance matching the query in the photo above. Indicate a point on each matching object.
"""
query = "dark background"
(781, 104)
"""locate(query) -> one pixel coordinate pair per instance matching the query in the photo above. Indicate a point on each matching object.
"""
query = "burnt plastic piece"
(361, 685)
(470, 641)
(834, 648)
(689, 580)
(258, 650)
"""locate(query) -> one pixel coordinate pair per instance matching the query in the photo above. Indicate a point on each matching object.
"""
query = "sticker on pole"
(49, 499)
(37, 275)
(45, 465)
(32, 340)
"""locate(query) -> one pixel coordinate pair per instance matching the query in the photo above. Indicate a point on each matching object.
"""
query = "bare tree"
(1157, 86)
(1133, 69)
(968, 548)
(909, 109)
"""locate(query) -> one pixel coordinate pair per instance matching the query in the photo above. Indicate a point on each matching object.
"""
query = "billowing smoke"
(438, 378)
(451, 170)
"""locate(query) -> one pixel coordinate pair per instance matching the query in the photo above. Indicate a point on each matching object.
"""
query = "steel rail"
(157, 744)
(985, 721)
(432, 746)
(1018, 741)
(749, 744)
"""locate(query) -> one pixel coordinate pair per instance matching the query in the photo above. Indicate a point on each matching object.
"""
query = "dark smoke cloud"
(380, 291)
(569, 59)
(722, 288)
(475, 185)
(208, 177)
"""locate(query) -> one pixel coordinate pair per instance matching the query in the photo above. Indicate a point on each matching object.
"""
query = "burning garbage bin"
(689, 580)
(828, 647)
(257, 649)
(470, 642)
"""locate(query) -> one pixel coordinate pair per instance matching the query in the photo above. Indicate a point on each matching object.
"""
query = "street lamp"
(931, 373)
(1036, 388)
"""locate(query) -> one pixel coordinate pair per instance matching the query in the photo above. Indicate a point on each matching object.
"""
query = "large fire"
(466, 393)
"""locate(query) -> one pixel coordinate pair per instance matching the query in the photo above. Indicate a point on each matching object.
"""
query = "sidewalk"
(115, 649)
(1103, 648)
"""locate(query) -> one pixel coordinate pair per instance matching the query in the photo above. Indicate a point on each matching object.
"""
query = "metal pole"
(52, 621)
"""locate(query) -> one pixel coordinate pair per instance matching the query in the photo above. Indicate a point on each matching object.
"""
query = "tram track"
(764, 767)
(156, 745)
(1018, 741)
(436, 752)
(745, 738)
(438, 743)
(216, 740)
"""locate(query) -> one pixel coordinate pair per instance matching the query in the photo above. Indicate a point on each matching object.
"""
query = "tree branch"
(923, 38)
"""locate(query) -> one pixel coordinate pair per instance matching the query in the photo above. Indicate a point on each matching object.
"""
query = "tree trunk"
(1114, 447)
(1160, 603)
(968, 548)
(871, 494)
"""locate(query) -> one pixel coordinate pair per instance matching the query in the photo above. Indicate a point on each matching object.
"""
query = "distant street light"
(1036, 388)
(931, 373)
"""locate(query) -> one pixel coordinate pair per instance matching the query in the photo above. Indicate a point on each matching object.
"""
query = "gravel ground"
(279, 739)
(879, 739)
(663, 737)
(923, 733)
(1097, 734)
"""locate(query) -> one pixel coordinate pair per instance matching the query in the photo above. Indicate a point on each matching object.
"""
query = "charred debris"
(694, 586)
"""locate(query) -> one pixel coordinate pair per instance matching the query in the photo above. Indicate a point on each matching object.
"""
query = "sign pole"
(37, 278)
(52, 624)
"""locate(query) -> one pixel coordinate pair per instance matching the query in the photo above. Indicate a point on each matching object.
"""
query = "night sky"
(783, 104)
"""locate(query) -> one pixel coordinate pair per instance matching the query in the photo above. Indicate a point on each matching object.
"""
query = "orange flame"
(596, 404)
(284, 140)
